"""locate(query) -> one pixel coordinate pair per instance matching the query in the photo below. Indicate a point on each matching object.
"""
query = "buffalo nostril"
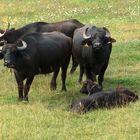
(97, 44)
(9, 64)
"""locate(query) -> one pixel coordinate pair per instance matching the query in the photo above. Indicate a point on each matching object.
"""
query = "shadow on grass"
(7, 100)
(62, 100)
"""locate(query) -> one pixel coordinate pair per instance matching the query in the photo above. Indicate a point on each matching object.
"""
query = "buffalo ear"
(112, 40)
(19, 43)
(86, 42)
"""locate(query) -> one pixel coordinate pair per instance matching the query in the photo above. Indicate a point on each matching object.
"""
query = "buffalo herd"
(42, 48)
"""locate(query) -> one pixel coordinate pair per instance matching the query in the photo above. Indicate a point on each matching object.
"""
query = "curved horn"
(84, 34)
(24, 45)
(1, 48)
(2, 34)
(107, 32)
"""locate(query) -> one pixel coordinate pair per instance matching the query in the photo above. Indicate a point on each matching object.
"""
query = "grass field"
(46, 116)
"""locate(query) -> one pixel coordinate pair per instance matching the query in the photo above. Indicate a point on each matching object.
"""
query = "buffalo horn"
(1, 48)
(107, 32)
(24, 46)
(84, 34)
(2, 34)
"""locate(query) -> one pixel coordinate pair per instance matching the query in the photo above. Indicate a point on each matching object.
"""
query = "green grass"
(47, 116)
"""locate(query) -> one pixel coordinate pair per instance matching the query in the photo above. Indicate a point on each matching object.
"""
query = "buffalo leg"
(94, 76)
(64, 73)
(100, 79)
(101, 76)
(74, 64)
(63, 76)
(27, 87)
(81, 73)
(53, 84)
(89, 74)
(20, 86)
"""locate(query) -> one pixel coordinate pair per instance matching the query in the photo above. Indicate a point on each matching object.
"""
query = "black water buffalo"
(38, 53)
(91, 49)
(104, 99)
(67, 27)
(89, 87)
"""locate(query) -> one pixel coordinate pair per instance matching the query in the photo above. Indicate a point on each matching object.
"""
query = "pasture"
(47, 116)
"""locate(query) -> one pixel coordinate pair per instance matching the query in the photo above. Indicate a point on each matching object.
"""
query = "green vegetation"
(46, 116)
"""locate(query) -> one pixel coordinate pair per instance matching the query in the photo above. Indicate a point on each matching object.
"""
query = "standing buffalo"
(67, 27)
(91, 48)
(38, 53)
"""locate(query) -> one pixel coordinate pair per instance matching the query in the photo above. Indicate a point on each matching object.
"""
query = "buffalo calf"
(120, 96)
(90, 87)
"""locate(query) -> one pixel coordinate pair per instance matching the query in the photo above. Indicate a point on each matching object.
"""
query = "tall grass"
(46, 116)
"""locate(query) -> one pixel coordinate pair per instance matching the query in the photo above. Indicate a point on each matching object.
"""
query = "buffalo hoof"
(25, 99)
(20, 99)
(25, 102)
(53, 87)
(72, 71)
(63, 89)
(80, 81)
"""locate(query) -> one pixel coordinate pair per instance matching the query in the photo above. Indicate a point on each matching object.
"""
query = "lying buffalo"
(91, 49)
(38, 53)
(121, 96)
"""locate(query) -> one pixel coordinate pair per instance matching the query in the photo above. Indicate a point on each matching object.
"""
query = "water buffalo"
(67, 27)
(104, 99)
(38, 53)
(91, 49)
(90, 87)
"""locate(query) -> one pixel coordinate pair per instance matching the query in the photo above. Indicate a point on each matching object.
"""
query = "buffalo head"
(11, 52)
(78, 107)
(97, 37)
(7, 36)
(90, 87)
